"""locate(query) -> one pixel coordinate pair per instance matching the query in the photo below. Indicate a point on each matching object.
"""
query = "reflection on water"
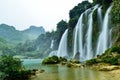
(59, 72)
(65, 73)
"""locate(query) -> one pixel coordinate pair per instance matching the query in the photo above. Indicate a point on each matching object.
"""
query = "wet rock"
(109, 68)
(74, 61)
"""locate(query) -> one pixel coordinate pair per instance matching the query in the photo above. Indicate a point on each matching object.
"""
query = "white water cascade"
(78, 31)
(103, 42)
(51, 46)
(83, 46)
(83, 39)
(89, 34)
(62, 49)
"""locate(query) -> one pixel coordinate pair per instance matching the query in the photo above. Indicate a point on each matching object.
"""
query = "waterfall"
(83, 44)
(103, 42)
(83, 36)
(89, 34)
(51, 46)
(99, 12)
(78, 31)
(62, 49)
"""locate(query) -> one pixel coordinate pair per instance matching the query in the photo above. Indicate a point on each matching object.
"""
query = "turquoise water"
(32, 63)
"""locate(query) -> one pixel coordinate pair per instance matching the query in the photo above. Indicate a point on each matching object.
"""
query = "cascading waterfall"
(89, 35)
(85, 45)
(62, 49)
(103, 42)
(83, 36)
(78, 31)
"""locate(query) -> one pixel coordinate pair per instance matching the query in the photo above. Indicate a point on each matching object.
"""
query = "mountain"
(33, 32)
(10, 34)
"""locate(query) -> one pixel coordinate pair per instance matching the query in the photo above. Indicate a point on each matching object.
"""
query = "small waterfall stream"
(51, 46)
(62, 49)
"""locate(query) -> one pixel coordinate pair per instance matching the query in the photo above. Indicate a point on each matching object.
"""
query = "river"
(60, 72)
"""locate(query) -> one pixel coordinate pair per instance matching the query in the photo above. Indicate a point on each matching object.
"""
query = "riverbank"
(114, 75)
(60, 72)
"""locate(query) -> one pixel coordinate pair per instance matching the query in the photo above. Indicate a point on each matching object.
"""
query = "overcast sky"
(47, 13)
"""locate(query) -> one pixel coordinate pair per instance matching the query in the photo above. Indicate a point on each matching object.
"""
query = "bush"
(19, 75)
(115, 49)
(51, 60)
(12, 69)
(62, 59)
(112, 60)
(8, 64)
(91, 62)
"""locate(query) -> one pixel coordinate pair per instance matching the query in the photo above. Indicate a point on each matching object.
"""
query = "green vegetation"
(54, 60)
(111, 56)
(40, 47)
(91, 62)
(74, 15)
(12, 69)
(116, 13)
(51, 60)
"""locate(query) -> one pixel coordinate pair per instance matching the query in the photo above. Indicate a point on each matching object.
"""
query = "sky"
(47, 13)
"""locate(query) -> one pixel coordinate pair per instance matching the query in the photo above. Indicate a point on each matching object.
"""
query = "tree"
(61, 27)
(77, 11)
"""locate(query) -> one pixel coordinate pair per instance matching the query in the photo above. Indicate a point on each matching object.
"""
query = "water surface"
(60, 72)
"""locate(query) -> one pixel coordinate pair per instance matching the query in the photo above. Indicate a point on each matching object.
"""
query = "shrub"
(19, 75)
(115, 49)
(91, 62)
(62, 59)
(51, 60)
(12, 69)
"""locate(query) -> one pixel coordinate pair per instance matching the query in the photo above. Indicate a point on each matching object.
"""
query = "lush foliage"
(111, 56)
(12, 69)
(51, 60)
(91, 62)
(54, 60)
(61, 27)
(116, 13)
(74, 15)
(77, 11)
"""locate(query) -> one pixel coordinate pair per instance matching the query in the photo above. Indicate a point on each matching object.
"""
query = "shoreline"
(109, 75)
